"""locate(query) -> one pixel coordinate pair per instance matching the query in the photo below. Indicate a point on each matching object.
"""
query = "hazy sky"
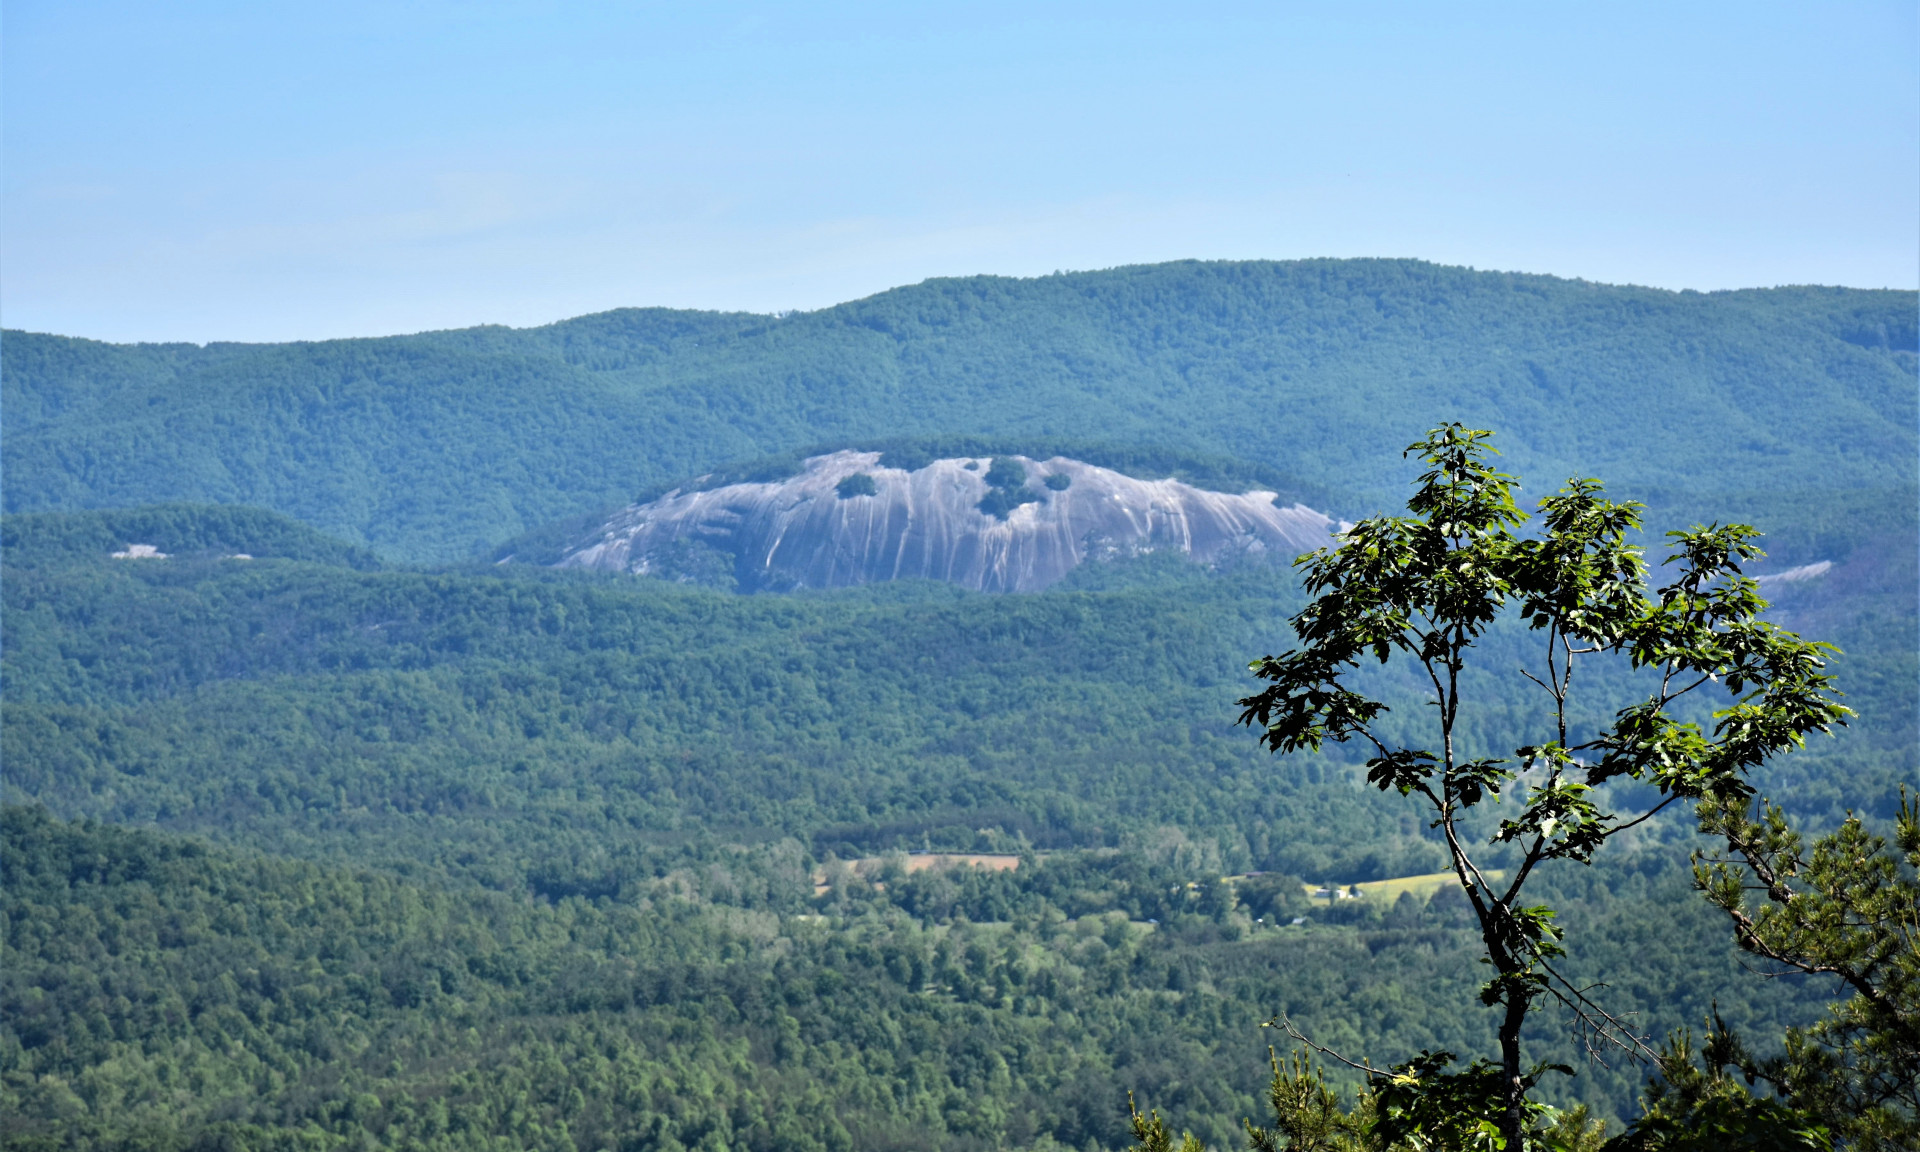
(194, 170)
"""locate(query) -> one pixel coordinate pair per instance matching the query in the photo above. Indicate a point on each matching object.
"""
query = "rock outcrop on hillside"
(1005, 524)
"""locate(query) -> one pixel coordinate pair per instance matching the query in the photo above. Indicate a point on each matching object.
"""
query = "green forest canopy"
(157, 992)
(593, 801)
(428, 715)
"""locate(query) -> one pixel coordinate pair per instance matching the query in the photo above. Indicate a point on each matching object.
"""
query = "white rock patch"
(926, 523)
(1798, 575)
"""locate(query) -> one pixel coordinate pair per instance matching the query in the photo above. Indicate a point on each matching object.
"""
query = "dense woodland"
(559, 832)
(364, 840)
(161, 993)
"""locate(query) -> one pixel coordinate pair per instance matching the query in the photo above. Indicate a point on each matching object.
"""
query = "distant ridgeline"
(1000, 523)
(444, 445)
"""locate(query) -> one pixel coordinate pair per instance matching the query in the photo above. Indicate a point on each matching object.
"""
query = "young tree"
(1397, 1112)
(1695, 1105)
(1850, 910)
(1425, 588)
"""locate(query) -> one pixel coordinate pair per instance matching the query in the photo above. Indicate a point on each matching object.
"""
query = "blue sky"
(264, 171)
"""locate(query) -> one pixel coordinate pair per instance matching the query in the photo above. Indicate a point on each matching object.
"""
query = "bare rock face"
(998, 524)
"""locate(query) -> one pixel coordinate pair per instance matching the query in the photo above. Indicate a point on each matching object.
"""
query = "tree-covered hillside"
(564, 730)
(514, 856)
(505, 723)
(434, 446)
(157, 993)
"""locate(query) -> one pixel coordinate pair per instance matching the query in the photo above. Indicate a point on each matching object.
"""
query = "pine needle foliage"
(1847, 908)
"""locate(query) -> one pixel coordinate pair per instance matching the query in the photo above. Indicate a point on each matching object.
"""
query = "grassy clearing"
(868, 866)
(1422, 887)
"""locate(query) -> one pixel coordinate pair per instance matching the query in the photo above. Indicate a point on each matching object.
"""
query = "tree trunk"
(1513, 1123)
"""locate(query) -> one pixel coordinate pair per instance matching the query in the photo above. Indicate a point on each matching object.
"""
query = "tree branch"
(1593, 1020)
(1287, 1023)
(1644, 816)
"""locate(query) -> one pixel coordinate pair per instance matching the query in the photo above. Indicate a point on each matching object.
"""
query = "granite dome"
(826, 527)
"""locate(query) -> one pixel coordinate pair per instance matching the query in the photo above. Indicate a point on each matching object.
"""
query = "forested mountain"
(439, 445)
(325, 829)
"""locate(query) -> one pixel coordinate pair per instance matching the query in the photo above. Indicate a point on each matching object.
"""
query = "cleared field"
(1422, 887)
(998, 862)
(920, 862)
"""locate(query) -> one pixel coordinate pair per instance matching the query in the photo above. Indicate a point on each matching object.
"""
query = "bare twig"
(1597, 1028)
(1329, 1053)
(1644, 816)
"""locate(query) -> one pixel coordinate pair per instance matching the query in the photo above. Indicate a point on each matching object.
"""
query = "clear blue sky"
(195, 170)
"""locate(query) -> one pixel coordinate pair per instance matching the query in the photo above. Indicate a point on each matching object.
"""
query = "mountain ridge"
(443, 445)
